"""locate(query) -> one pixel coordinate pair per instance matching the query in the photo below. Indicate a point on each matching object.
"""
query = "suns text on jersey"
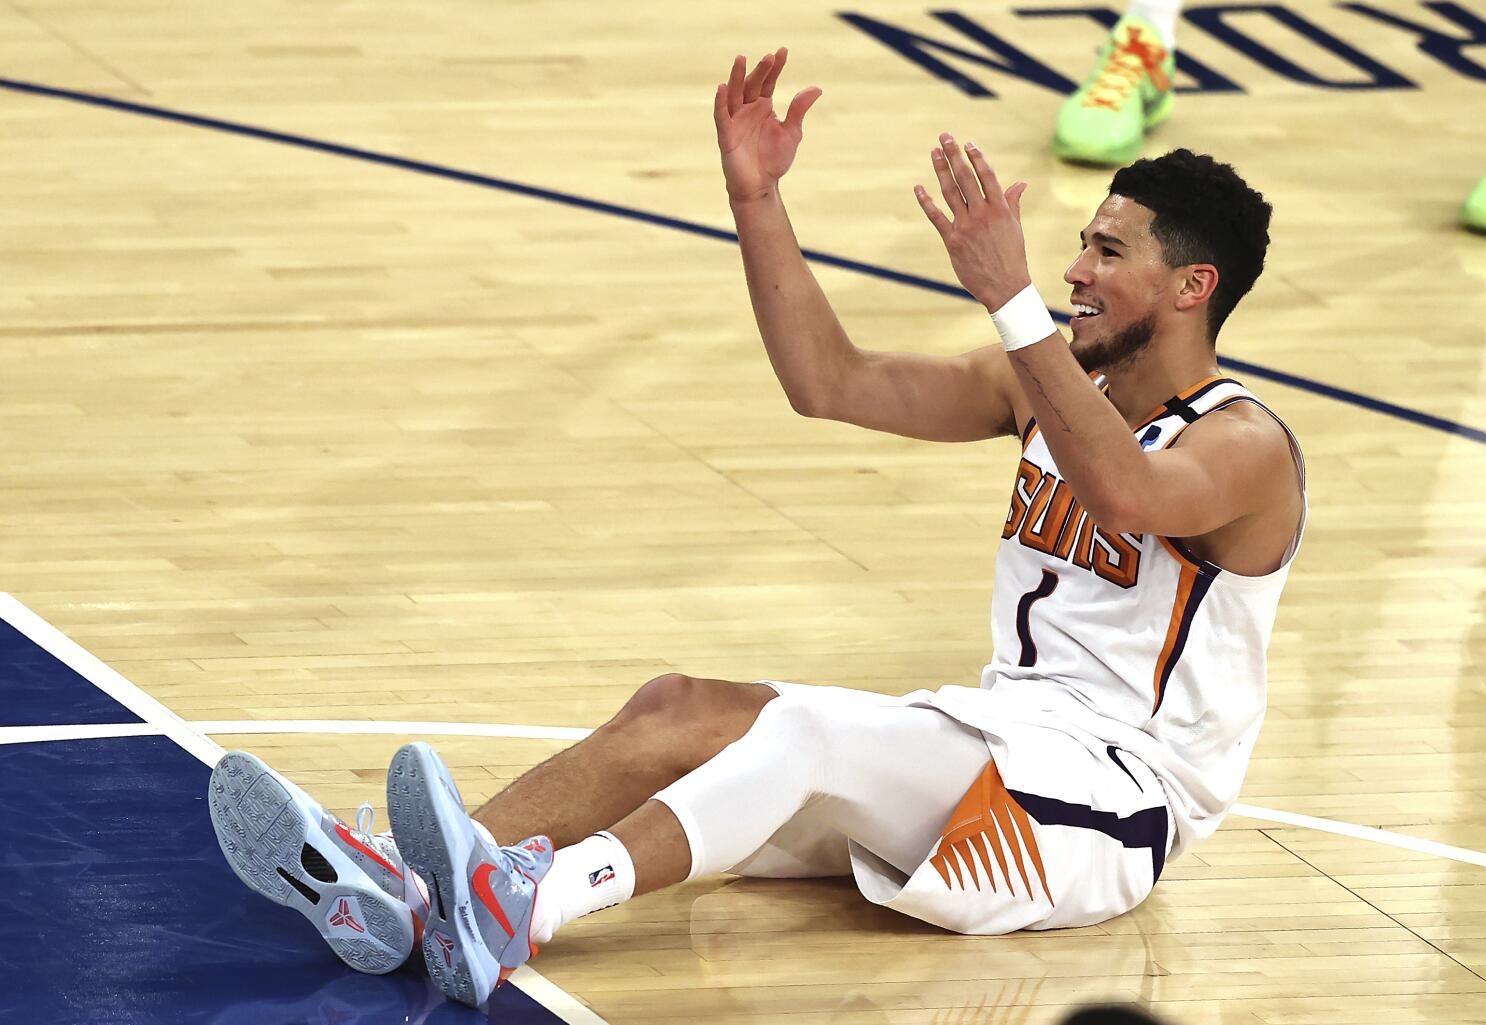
(1046, 518)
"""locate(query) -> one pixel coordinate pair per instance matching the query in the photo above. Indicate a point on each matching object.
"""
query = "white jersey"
(1132, 638)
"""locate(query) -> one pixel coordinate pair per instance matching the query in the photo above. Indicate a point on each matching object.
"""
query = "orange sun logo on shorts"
(985, 825)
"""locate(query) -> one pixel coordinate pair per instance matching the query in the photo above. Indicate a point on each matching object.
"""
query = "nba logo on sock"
(603, 875)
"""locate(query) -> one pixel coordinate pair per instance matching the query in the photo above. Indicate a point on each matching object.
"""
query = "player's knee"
(666, 696)
(691, 719)
(691, 700)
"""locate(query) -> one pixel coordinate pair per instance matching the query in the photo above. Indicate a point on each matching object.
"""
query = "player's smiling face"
(1118, 280)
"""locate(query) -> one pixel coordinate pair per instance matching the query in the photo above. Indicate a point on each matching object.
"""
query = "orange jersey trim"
(1032, 430)
(1191, 588)
(1161, 410)
(1165, 661)
(1179, 555)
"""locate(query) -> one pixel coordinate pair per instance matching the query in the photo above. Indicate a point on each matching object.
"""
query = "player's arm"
(1234, 462)
(1232, 465)
(936, 398)
(964, 398)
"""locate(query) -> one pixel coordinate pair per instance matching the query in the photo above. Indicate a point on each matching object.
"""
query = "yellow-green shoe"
(1473, 214)
(1128, 93)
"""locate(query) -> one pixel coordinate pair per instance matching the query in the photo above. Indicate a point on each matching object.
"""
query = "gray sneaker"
(352, 885)
(482, 894)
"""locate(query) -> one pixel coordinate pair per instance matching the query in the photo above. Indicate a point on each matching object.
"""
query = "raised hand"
(757, 148)
(983, 233)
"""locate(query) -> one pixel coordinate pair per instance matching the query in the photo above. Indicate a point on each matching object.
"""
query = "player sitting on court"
(1151, 526)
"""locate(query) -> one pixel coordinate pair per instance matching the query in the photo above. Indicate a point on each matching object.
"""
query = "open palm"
(757, 148)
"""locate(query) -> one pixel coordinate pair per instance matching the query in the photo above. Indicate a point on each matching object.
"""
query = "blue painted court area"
(118, 908)
(38, 690)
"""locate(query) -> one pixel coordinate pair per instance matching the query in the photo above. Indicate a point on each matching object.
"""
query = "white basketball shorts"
(1059, 829)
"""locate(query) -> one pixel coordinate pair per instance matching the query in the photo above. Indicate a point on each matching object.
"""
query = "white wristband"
(1023, 320)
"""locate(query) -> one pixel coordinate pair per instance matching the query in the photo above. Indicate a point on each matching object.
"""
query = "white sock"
(1160, 13)
(592, 874)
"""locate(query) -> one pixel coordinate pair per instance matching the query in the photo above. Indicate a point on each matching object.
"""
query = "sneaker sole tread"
(261, 830)
(422, 839)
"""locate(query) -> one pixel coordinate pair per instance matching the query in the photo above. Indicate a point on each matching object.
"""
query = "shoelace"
(1127, 65)
(382, 843)
(385, 845)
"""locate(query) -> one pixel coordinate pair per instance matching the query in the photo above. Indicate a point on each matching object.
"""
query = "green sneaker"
(1126, 95)
(1473, 214)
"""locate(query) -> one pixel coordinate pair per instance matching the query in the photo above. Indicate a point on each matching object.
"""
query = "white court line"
(1382, 836)
(216, 727)
(28, 734)
(92, 669)
(83, 731)
(562, 1003)
(61, 647)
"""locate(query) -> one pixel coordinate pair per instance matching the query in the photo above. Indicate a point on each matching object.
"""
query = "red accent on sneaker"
(349, 837)
(343, 916)
(446, 948)
(1120, 76)
(481, 884)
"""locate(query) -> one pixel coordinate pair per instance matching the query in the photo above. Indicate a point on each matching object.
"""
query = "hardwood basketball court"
(484, 434)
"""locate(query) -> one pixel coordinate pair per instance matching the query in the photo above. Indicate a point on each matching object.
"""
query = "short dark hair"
(1204, 213)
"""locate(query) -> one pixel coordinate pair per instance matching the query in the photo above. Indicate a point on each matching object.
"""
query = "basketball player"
(1128, 92)
(1152, 522)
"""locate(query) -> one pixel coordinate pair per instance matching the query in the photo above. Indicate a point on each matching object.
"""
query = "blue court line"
(1345, 395)
(1353, 398)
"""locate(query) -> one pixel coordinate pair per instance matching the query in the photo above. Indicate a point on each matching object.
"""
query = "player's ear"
(1199, 281)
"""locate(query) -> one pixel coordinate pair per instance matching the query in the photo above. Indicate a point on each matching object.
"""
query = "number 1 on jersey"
(1045, 587)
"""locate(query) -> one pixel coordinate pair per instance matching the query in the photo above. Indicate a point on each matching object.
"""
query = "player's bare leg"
(657, 845)
(487, 915)
(671, 725)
